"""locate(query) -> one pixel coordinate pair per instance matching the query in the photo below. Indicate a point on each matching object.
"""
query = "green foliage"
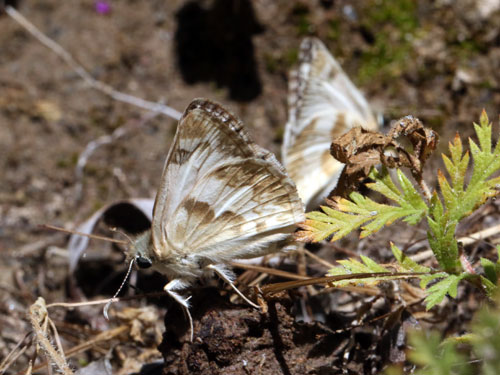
(353, 266)
(486, 340)
(363, 212)
(461, 201)
(438, 291)
(441, 236)
(448, 284)
(300, 16)
(403, 266)
(460, 197)
(434, 357)
(478, 352)
(333, 30)
(491, 274)
(393, 23)
(407, 264)
(281, 62)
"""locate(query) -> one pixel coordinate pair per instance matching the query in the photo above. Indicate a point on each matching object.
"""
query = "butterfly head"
(140, 250)
(143, 262)
(138, 253)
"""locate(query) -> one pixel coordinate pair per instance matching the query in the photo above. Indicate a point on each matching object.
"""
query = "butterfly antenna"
(114, 229)
(113, 299)
(102, 238)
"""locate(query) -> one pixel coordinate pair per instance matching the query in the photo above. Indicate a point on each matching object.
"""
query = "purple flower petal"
(102, 7)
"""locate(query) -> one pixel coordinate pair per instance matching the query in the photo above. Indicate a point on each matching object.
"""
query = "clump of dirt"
(237, 340)
(436, 60)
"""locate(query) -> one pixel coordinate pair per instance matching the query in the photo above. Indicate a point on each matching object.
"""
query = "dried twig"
(101, 337)
(270, 271)
(101, 141)
(34, 247)
(15, 353)
(317, 258)
(80, 70)
(105, 301)
(39, 317)
(270, 289)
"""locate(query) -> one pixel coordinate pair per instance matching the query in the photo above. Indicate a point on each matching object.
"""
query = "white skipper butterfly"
(323, 104)
(221, 198)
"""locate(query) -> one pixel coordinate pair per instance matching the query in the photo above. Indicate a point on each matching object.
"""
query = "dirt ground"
(436, 60)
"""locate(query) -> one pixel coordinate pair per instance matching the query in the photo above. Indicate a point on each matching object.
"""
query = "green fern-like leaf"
(461, 200)
(441, 237)
(491, 274)
(409, 200)
(367, 265)
(407, 264)
(363, 212)
(459, 197)
(486, 341)
(436, 357)
(479, 349)
(491, 270)
(438, 291)
(320, 225)
(353, 266)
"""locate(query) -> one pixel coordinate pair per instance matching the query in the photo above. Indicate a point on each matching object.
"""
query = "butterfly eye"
(143, 262)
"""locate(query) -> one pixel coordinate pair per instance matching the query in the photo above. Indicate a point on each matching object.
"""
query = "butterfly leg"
(170, 288)
(227, 275)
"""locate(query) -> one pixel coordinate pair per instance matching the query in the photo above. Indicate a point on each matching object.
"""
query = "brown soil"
(449, 73)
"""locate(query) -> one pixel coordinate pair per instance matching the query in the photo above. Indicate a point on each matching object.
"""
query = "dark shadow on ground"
(215, 44)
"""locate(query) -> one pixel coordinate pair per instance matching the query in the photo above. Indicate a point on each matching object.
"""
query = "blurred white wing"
(323, 104)
(221, 196)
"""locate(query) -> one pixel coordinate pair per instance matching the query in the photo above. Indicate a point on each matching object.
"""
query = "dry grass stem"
(93, 145)
(318, 259)
(269, 271)
(80, 70)
(326, 280)
(101, 337)
(14, 354)
(39, 320)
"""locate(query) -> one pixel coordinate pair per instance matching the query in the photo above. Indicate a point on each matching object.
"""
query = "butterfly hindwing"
(323, 104)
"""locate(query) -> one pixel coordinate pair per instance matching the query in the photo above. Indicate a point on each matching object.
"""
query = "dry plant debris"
(361, 149)
(447, 73)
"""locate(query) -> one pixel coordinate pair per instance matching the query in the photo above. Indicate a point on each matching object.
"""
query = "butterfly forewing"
(219, 188)
(204, 137)
(323, 104)
(241, 199)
